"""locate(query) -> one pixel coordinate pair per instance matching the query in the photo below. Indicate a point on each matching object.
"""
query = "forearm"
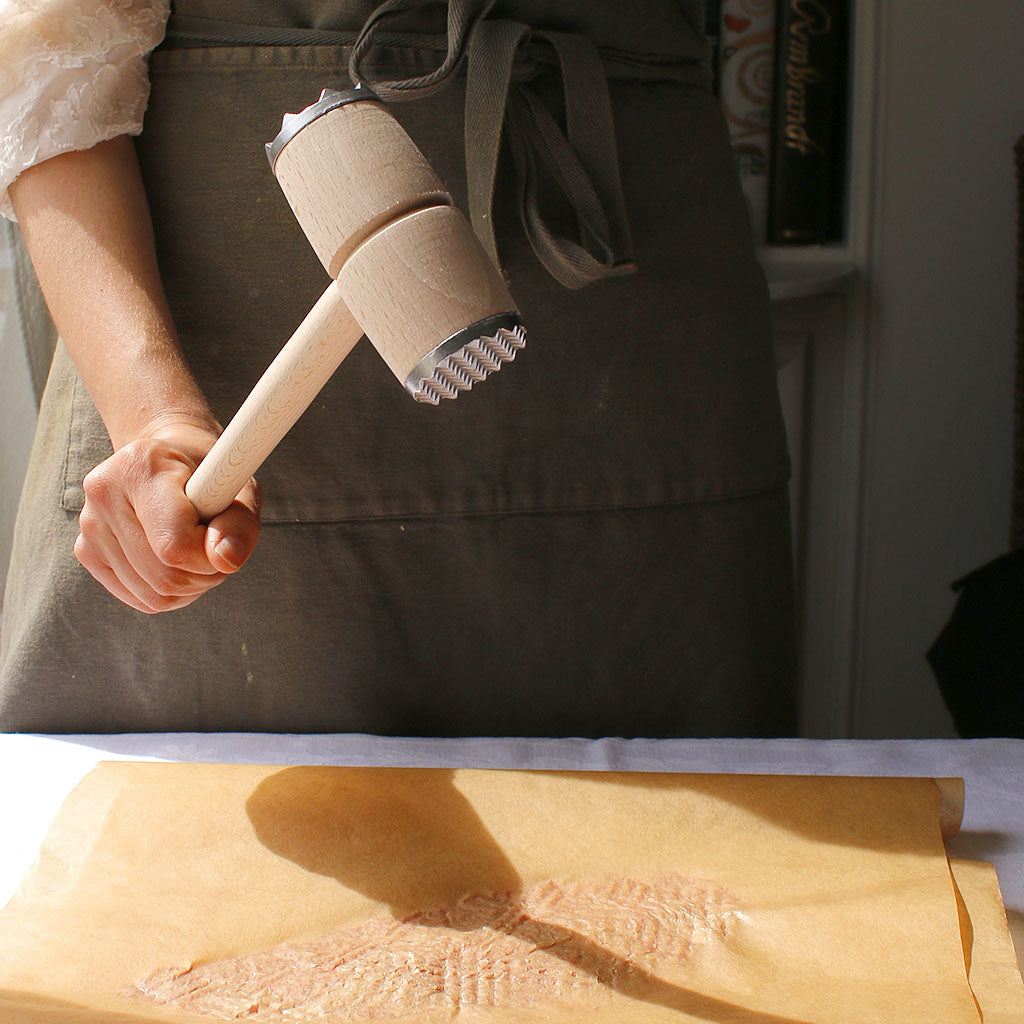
(87, 227)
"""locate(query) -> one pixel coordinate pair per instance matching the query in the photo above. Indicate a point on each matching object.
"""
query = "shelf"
(804, 271)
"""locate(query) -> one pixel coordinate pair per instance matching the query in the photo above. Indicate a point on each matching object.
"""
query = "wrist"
(166, 399)
(172, 423)
(184, 434)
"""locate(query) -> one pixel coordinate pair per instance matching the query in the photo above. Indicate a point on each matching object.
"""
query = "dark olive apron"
(593, 542)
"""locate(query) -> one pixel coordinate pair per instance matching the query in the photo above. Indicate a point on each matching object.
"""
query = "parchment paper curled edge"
(991, 960)
(163, 801)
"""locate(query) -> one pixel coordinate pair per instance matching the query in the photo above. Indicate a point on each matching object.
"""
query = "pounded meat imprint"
(556, 943)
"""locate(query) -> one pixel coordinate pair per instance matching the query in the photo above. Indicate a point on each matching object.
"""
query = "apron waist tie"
(503, 57)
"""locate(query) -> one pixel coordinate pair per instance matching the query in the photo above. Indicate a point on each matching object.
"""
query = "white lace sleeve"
(72, 74)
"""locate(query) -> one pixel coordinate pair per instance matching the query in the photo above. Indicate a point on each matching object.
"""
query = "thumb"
(232, 535)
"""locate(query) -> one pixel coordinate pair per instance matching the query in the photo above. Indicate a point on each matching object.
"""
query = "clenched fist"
(143, 539)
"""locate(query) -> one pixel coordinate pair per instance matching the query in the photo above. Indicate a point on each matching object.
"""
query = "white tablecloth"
(38, 772)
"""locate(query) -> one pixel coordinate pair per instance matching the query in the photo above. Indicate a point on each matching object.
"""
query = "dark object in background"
(1017, 511)
(978, 658)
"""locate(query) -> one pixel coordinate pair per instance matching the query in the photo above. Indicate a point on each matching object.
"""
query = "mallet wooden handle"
(280, 397)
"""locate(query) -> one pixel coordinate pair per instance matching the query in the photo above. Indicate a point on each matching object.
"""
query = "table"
(38, 772)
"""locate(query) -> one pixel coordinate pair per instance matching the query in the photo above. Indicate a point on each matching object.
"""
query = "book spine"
(808, 121)
(748, 43)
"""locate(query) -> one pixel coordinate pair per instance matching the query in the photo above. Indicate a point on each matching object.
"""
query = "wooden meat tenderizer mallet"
(407, 271)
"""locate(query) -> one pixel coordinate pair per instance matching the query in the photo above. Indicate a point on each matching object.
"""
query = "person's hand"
(140, 535)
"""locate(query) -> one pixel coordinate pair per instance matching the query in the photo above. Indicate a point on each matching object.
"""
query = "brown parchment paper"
(837, 897)
(988, 949)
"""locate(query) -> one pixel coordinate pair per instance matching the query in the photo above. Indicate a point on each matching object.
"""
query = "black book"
(808, 122)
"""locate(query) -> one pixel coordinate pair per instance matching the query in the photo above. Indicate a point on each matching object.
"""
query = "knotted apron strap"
(491, 55)
(463, 17)
(582, 161)
(591, 132)
(584, 165)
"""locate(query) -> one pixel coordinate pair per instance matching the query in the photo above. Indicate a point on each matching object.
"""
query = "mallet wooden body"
(359, 156)
(447, 282)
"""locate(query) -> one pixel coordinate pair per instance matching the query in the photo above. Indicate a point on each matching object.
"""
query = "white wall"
(941, 280)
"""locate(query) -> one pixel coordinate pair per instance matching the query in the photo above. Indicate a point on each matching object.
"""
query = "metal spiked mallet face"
(407, 271)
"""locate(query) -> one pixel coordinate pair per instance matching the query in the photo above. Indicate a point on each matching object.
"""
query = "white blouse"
(72, 73)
